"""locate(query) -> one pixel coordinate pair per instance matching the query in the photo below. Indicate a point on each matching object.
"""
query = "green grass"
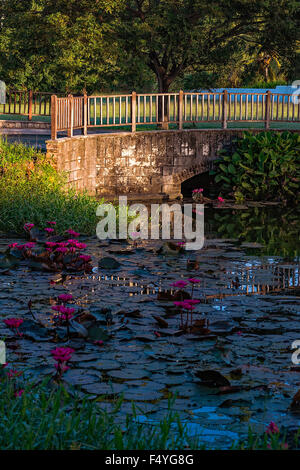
(20, 117)
(31, 190)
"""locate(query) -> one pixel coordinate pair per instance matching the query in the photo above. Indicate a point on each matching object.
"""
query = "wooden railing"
(170, 108)
(27, 103)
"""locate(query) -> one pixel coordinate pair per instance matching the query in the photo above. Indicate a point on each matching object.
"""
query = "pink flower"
(179, 284)
(51, 244)
(80, 246)
(63, 244)
(19, 393)
(98, 342)
(62, 354)
(13, 322)
(220, 199)
(192, 301)
(62, 249)
(20, 247)
(49, 230)
(188, 306)
(13, 245)
(85, 258)
(50, 222)
(13, 373)
(71, 232)
(272, 428)
(29, 245)
(72, 249)
(71, 241)
(199, 190)
(27, 227)
(179, 303)
(193, 280)
(65, 297)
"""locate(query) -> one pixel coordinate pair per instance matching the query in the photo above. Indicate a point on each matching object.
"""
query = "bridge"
(148, 144)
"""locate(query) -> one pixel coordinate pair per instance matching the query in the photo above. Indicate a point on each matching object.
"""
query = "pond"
(230, 371)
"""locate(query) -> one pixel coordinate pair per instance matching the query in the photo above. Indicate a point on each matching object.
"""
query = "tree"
(172, 35)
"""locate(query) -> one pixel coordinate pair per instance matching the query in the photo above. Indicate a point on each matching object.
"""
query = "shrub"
(265, 166)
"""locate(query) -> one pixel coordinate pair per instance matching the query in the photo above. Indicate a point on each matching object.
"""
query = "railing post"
(53, 117)
(133, 111)
(30, 96)
(267, 111)
(71, 116)
(180, 109)
(85, 114)
(225, 108)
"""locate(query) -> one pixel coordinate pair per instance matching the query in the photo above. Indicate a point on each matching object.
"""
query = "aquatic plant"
(265, 166)
(14, 324)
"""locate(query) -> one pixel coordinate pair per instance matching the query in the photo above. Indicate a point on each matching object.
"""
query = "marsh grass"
(45, 417)
(31, 190)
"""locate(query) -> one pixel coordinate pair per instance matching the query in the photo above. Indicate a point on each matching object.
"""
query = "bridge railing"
(163, 109)
(26, 103)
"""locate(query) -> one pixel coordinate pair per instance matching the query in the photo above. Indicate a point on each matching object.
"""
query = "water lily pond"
(229, 369)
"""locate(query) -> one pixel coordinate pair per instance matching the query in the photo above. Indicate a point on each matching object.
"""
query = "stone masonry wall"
(152, 163)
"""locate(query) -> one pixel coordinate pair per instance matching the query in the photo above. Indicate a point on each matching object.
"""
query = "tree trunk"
(163, 87)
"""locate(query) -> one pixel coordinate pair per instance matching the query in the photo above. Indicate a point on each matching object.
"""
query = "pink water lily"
(179, 284)
(12, 373)
(192, 301)
(85, 258)
(13, 245)
(61, 356)
(27, 227)
(51, 244)
(49, 230)
(199, 190)
(272, 428)
(72, 232)
(220, 199)
(62, 249)
(14, 324)
(65, 297)
(193, 280)
(51, 222)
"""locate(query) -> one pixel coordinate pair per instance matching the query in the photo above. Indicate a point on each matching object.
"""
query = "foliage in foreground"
(45, 419)
(31, 190)
(55, 419)
(265, 166)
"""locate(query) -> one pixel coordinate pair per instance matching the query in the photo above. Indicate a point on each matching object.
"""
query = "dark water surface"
(249, 292)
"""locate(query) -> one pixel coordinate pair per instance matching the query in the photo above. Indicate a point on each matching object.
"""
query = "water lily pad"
(81, 377)
(109, 263)
(129, 374)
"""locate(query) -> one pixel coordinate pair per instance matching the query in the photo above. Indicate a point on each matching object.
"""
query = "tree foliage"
(66, 45)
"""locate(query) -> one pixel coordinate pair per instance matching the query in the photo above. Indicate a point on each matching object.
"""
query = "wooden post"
(225, 108)
(53, 117)
(267, 111)
(133, 111)
(180, 109)
(71, 116)
(30, 97)
(85, 114)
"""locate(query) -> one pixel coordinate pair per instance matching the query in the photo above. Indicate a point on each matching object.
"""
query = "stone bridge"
(149, 164)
